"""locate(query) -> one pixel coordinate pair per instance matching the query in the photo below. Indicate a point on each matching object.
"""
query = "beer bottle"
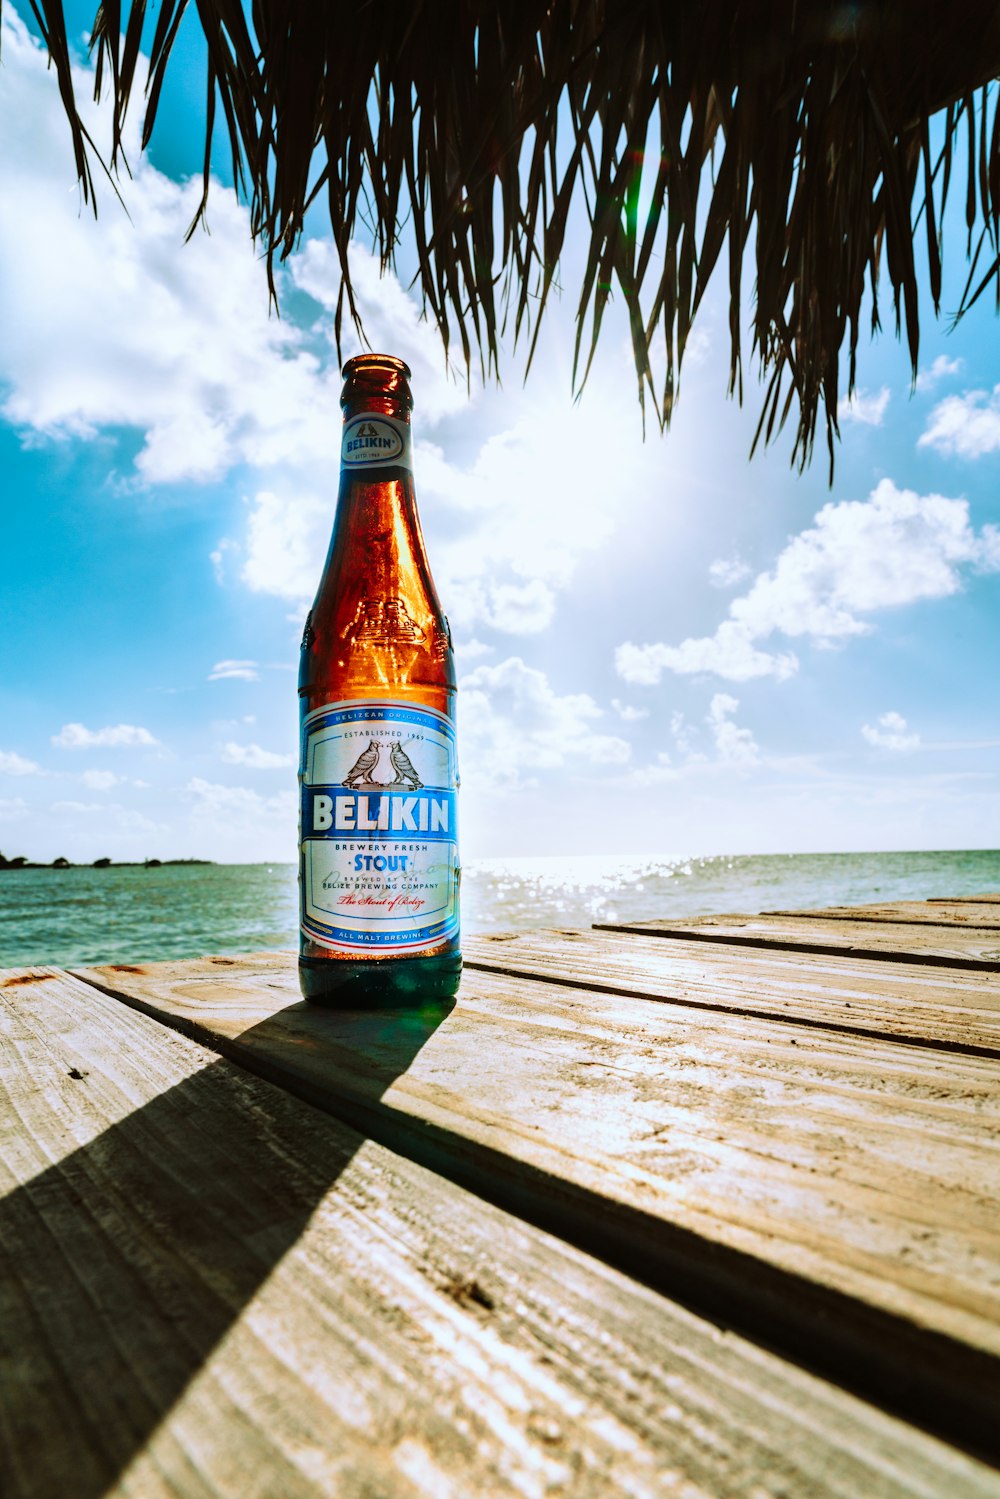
(378, 872)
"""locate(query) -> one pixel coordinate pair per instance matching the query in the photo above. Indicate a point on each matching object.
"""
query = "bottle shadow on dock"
(125, 1263)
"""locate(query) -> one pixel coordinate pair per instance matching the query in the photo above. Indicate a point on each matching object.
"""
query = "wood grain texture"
(836, 1195)
(979, 914)
(211, 1289)
(914, 1005)
(990, 898)
(951, 946)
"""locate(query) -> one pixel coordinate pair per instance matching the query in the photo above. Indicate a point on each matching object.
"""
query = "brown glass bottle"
(378, 874)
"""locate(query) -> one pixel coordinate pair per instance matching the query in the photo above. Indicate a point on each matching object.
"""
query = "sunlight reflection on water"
(574, 891)
(119, 915)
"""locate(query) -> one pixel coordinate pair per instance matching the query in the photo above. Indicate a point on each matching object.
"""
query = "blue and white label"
(378, 834)
(375, 442)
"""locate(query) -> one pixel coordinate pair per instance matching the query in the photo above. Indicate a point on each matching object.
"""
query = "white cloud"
(864, 407)
(726, 572)
(100, 780)
(735, 746)
(892, 733)
(131, 821)
(253, 756)
(176, 343)
(507, 528)
(115, 736)
(174, 340)
(661, 771)
(13, 808)
(514, 724)
(728, 653)
(627, 713)
(967, 425)
(287, 538)
(516, 522)
(472, 650)
(214, 798)
(13, 764)
(142, 331)
(988, 560)
(697, 348)
(234, 821)
(392, 320)
(225, 548)
(518, 608)
(939, 370)
(124, 819)
(239, 671)
(684, 734)
(895, 548)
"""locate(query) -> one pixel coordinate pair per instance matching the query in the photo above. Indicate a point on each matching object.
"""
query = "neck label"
(371, 441)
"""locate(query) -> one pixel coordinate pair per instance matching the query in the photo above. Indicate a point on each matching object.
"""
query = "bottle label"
(375, 442)
(379, 869)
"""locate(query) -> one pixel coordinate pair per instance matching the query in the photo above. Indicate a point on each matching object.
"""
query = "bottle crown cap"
(362, 362)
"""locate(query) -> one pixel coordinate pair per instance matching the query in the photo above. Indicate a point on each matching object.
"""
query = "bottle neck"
(378, 384)
(377, 622)
(361, 402)
(377, 554)
(377, 626)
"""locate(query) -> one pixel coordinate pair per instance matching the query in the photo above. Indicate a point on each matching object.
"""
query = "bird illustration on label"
(362, 771)
(403, 766)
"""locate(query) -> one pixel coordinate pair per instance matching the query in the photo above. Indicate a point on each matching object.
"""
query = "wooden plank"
(834, 1195)
(212, 1289)
(916, 1006)
(887, 942)
(988, 899)
(978, 914)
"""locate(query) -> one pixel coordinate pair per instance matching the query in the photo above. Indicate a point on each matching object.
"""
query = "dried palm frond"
(806, 137)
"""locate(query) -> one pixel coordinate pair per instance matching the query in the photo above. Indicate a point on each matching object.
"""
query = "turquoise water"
(75, 916)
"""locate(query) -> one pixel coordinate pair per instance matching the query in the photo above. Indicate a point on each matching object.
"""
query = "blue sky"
(663, 647)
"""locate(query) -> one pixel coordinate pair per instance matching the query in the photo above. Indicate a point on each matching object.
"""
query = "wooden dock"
(691, 1209)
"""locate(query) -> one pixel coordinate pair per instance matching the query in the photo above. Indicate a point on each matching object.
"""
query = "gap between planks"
(503, 1102)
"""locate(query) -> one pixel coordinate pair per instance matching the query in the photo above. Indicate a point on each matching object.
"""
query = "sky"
(664, 647)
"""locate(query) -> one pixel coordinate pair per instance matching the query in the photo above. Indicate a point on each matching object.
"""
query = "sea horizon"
(80, 914)
(482, 859)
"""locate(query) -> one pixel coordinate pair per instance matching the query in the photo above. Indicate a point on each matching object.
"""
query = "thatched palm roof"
(815, 137)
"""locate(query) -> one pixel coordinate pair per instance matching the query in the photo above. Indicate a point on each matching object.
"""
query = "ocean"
(71, 917)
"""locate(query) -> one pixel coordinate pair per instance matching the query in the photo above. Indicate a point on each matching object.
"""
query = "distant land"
(20, 862)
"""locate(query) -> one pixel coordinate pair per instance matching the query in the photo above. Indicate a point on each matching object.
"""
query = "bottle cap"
(376, 361)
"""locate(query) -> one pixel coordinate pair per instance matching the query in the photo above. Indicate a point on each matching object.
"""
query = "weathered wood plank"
(978, 914)
(837, 1196)
(212, 1289)
(895, 943)
(919, 1006)
(987, 899)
